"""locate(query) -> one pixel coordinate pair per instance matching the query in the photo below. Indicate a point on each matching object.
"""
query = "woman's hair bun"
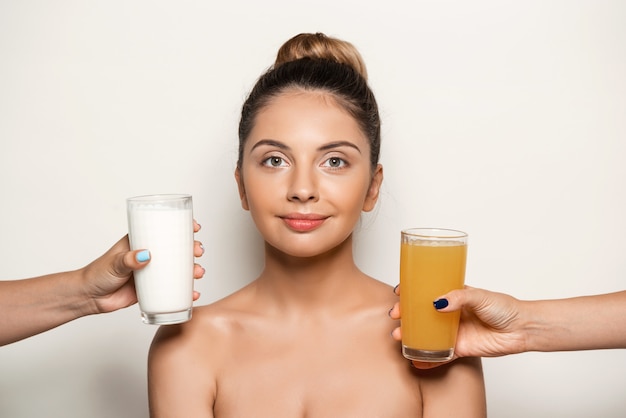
(320, 46)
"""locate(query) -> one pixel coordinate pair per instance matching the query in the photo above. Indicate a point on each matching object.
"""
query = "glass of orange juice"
(432, 262)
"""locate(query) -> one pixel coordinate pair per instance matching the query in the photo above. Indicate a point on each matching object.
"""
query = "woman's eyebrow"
(271, 143)
(325, 147)
(338, 144)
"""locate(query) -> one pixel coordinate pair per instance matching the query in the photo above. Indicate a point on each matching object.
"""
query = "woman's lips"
(303, 222)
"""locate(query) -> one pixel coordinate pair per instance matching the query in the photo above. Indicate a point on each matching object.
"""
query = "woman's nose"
(303, 186)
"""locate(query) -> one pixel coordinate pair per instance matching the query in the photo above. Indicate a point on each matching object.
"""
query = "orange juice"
(429, 267)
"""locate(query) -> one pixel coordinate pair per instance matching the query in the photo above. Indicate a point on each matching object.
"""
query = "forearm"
(31, 306)
(581, 323)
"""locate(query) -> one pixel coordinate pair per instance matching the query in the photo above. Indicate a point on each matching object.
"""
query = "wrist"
(83, 302)
(542, 331)
(531, 326)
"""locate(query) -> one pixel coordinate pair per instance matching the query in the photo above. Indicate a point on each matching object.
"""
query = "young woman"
(310, 336)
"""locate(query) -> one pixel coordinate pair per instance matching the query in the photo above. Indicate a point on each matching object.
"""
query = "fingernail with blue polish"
(143, 256)
(440, 303)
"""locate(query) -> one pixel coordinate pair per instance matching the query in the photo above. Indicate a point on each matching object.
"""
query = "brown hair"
(320, 46)
(316, 62)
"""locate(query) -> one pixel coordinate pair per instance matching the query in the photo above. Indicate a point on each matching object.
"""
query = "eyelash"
(267, 162)
(343, 163)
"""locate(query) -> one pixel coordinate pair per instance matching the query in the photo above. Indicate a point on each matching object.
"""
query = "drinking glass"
(163, 224)
(432, 262)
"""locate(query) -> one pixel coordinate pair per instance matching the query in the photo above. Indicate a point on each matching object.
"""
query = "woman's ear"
(242, 189)
(374, 189)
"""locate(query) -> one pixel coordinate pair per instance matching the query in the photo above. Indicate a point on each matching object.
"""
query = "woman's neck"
(309, 283)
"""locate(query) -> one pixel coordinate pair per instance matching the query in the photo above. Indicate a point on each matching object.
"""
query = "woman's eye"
(274, 162)
(335, 162)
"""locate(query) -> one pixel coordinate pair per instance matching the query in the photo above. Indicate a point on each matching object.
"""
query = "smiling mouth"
(303, 223)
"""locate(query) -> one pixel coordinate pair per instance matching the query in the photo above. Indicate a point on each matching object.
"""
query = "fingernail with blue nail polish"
(440, 303)
(143, 256)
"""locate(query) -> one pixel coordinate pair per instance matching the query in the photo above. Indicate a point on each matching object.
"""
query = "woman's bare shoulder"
(186, 360)
(233, 306)
(207, 331)
(381, 291)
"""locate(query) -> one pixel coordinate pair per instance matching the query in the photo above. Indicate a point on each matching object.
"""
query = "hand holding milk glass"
(163, 224)
(432, 262)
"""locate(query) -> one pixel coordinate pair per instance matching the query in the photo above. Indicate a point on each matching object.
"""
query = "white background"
(506, 119)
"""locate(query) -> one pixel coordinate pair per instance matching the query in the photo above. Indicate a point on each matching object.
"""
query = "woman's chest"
(317, 376)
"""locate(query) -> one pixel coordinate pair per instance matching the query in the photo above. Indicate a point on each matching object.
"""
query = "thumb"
(455, 300)
(125, 263)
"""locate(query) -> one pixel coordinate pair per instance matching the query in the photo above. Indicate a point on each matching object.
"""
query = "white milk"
(166, 283)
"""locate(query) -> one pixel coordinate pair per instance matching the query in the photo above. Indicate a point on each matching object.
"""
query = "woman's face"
(306, 175)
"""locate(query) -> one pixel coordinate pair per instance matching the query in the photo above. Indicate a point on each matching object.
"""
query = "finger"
(453, 300)
(196, 226)
(196, 295)
(394, 313)
(137, 259)
(396, 290)
(198, 249)
(396, 334)
(198, 271)
(125, 262)
(469, 297)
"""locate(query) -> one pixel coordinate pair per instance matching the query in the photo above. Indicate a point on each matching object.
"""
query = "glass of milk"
(163, 224)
